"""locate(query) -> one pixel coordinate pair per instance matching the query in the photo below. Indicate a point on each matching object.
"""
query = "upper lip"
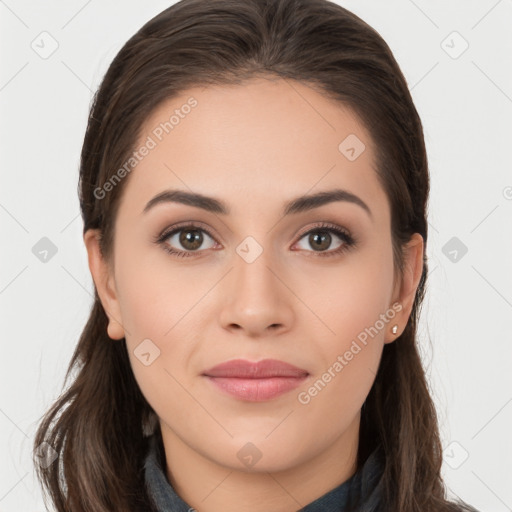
(266, 368)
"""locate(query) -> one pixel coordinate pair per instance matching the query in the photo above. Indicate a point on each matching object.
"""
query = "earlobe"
(105, 285)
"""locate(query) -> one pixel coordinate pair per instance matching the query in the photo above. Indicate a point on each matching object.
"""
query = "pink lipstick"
(256, 382)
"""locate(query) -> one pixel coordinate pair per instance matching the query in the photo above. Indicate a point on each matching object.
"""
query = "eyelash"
(349, 241)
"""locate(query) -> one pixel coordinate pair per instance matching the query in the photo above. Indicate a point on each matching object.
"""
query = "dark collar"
(362, 492)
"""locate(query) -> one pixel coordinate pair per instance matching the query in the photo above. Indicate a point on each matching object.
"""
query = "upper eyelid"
(167, 232)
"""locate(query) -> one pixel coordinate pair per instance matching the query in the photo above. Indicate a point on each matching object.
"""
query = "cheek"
(158, 342)
(348, 357)
(157, 308)
(353, 305)
(350, 297)
(153, 294)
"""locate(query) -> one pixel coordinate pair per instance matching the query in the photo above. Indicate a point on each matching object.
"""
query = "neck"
(208, 486)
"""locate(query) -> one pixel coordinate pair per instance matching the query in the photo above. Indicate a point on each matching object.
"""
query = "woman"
(253, 186)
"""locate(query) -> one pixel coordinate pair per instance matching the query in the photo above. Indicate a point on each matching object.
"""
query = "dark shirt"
(362, 492)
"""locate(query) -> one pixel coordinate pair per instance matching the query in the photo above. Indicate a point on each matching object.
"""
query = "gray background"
(465, 102)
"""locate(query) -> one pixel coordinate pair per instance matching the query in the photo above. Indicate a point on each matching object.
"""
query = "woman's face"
(255, 283)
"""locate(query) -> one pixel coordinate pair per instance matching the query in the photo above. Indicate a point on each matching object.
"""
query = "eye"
(189, 237)
(187, 240)
(320, 238)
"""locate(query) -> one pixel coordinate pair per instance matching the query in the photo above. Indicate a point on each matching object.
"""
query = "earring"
(394, 329)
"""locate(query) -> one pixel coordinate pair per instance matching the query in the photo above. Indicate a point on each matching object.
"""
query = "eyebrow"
(297, 205)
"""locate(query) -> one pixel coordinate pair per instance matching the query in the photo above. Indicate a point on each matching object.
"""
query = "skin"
(254, 146)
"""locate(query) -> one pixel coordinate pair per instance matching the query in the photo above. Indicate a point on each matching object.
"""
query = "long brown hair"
(96, 427)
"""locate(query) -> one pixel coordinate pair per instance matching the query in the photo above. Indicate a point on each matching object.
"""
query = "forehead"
(267, 140)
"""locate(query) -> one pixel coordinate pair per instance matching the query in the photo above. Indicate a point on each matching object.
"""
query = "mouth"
(255, 382)
(266, 368)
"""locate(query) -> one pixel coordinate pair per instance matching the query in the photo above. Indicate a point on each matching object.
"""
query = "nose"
(258, 300)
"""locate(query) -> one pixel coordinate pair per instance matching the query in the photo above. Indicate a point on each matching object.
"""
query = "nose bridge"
(253, 278)
(256, 297)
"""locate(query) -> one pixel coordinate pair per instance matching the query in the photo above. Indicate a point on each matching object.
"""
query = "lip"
(265, 368)
(258, 381)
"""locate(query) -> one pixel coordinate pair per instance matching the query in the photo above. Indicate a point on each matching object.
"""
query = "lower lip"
(256, 390)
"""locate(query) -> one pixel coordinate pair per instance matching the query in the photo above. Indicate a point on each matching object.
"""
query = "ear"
(405, 289)
(103, 277)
